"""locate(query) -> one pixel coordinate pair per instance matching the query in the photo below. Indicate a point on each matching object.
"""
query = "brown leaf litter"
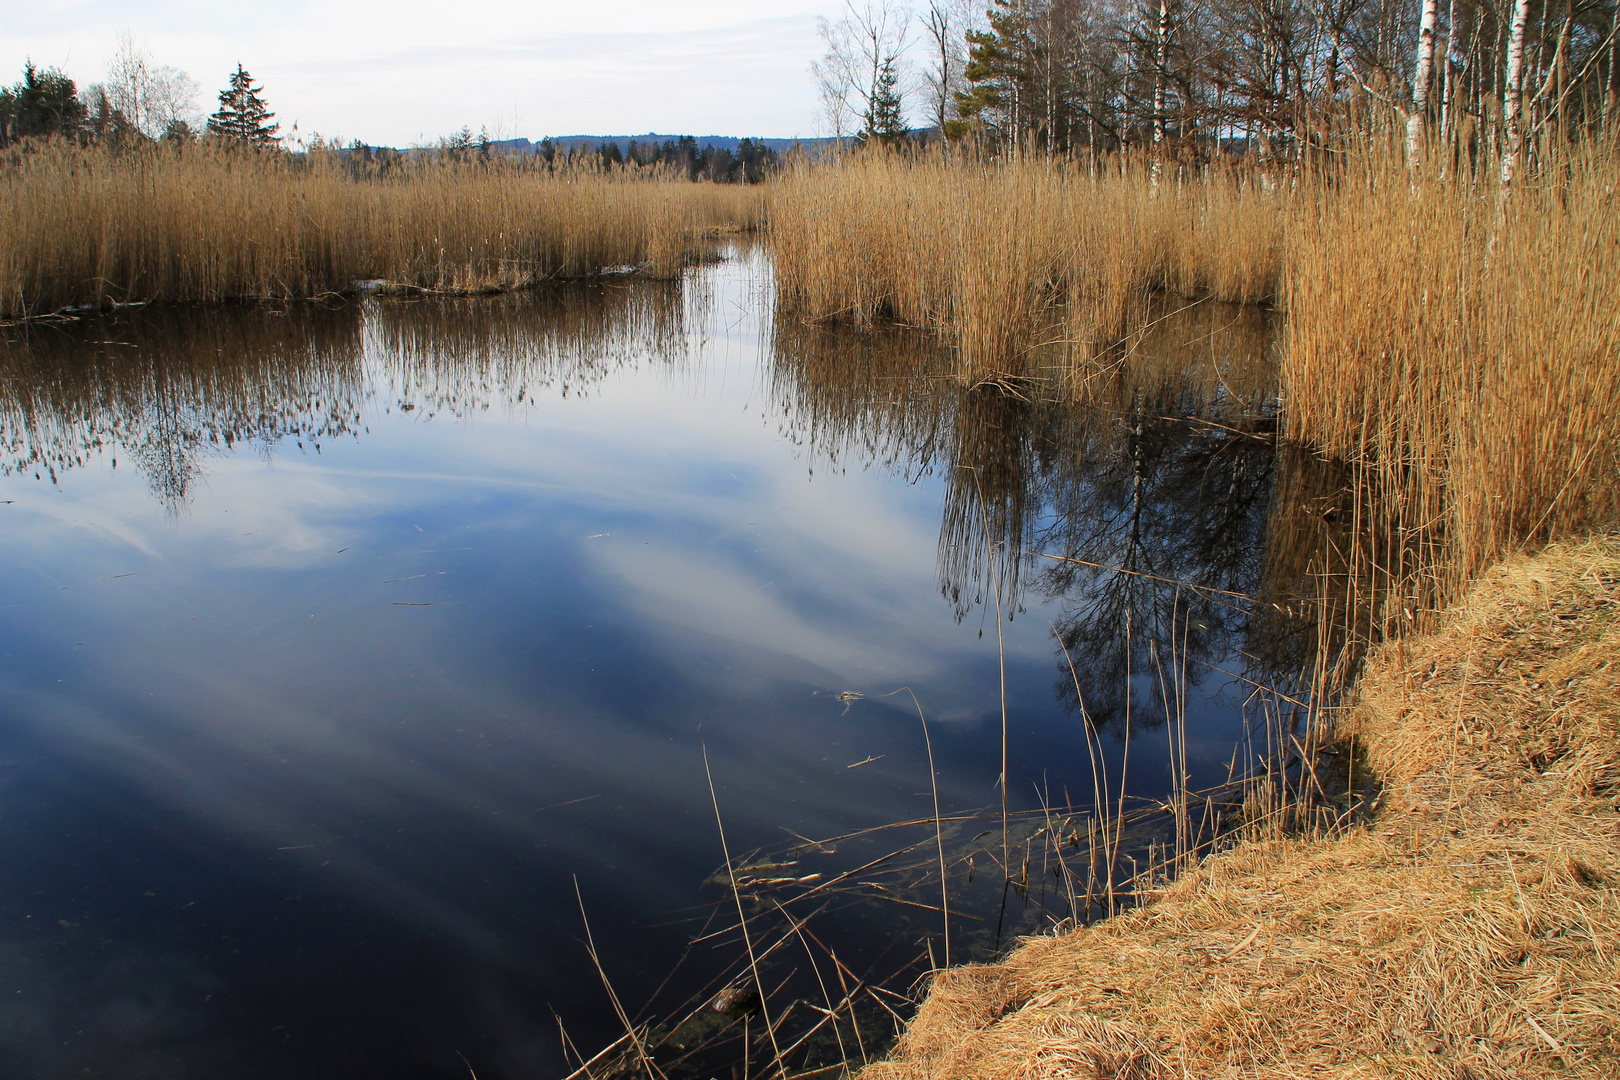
(1471, 931)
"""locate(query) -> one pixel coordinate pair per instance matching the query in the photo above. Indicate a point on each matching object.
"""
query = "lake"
(353, 656)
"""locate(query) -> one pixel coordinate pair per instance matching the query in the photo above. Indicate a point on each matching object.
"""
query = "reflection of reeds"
(448, 354)
(173, 386)
(1198, 376)
(881, 395)
(91, 227)
(1453, 341)
(168, 386)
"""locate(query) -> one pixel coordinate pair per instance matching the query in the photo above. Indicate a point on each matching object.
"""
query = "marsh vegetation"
(1222, 369)
(89, 227)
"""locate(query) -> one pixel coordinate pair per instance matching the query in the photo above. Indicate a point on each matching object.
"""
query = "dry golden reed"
(1464, 348)
(89, 227)
(1003, 256)
(1457, 344)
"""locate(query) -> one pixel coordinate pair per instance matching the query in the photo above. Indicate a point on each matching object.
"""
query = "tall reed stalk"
(1462, 347)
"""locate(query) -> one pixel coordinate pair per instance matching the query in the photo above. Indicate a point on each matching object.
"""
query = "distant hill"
(592, 142)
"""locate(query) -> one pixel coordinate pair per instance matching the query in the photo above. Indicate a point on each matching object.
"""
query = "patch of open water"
(338, 647)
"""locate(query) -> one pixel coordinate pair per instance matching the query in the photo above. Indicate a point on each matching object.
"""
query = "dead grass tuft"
(1471, 931)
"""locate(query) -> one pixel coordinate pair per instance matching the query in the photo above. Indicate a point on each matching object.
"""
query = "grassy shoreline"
(1469, 930)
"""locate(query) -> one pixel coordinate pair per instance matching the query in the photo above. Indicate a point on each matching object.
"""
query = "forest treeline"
(146, 103)
(1193, 77)
(752, 162)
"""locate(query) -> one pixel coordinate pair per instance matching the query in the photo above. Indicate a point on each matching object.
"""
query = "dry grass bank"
(89, 227)
(1472, 930)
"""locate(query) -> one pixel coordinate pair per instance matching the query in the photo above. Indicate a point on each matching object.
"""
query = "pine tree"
(998, 74)
(243, 118)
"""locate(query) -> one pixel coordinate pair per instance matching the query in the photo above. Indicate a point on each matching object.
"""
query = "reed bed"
(1453, 341)
(1003, 257)
(91, 227)
(1462, 348)
(167, 387)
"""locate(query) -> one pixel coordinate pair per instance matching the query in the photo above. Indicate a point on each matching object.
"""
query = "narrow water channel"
(347, 652)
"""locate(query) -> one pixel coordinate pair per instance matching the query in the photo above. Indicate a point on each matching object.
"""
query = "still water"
(347, 653)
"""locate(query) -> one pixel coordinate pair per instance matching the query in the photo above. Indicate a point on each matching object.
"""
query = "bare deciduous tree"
(150, 95)
(868, 41)
(945, 26)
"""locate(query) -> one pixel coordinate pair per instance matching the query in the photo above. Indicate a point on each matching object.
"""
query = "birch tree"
(1161, 49)
(1513, 92)
(944, 30)
(1423, 77)
(837, 75)
(860, 46)
(151, 96)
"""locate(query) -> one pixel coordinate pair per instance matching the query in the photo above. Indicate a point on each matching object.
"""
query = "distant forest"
(145, 103)
(747, 161)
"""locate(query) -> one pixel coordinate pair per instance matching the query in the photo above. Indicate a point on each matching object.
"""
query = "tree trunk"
(1420, 85)
(1513, 92)
(1445, 71)
(1159, 58)
(1611, 98)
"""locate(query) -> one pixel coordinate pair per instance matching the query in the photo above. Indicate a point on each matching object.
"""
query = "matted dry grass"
(1471, 931)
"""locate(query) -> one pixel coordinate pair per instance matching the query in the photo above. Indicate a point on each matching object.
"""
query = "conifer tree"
(243, 117)
(886, 122)
(43, 103)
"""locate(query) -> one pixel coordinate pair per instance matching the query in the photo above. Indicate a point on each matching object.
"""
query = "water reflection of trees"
(169, 387)
(1150, 477)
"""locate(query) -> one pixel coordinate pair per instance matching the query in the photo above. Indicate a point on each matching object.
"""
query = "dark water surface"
(336, 646)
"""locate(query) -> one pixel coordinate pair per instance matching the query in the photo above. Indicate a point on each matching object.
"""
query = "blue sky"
(406, 70)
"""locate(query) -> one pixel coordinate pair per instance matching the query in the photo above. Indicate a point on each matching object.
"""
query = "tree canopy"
(43, 103)
(243, 117)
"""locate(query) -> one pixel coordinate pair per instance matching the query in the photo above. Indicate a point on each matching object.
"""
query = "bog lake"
(352, 656)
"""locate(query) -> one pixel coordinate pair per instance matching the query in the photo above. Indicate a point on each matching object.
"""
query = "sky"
(404, 71)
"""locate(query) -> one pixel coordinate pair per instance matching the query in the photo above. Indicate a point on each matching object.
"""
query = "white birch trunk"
(1420, 85)
(1513, 92)
(1445, 71)
(1159, 59)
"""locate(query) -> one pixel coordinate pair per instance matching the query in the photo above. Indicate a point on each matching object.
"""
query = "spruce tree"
(886, 122)
(243, 118)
